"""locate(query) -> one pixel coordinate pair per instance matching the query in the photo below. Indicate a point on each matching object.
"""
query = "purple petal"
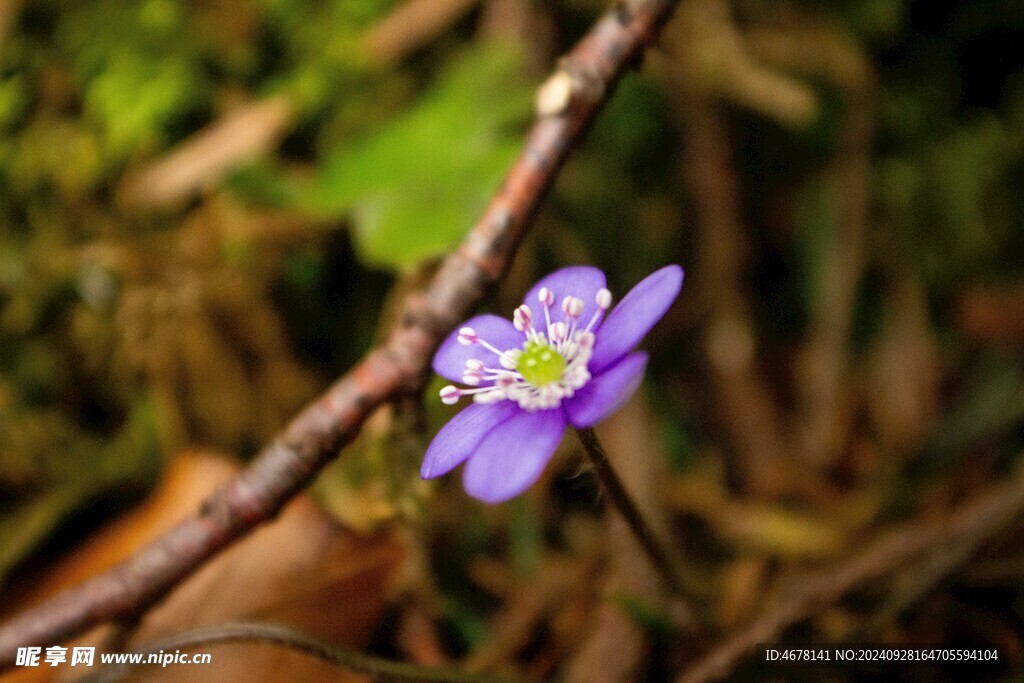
(582, 282)
(450, 359)
(513, 455)
(460, 437)
(635, 315)
(607, 392)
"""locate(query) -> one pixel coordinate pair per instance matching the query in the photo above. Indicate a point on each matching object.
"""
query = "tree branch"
(970, 525)
(314, 437)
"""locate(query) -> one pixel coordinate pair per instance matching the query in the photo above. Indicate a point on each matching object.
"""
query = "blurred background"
(208, 210)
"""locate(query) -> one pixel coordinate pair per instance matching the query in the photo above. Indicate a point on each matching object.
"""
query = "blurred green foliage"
(414, 183)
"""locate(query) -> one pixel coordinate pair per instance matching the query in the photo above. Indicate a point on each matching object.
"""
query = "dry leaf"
(303, 570)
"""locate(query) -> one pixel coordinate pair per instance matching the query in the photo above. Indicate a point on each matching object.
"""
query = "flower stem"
(663, 560)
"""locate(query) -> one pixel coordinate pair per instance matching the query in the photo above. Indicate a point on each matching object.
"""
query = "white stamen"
(487, 345)
(504, 381)
(604, 302)
(572, 306)
(522, 319)
(492, 396)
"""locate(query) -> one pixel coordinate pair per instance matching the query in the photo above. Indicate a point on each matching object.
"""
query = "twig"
(275, 634)
(824, 374)
(409, 26)
(240, 135)
(721, 65)
(745, 405)
(314, 437)
(914, 584)
(982, 518)
(663, 559)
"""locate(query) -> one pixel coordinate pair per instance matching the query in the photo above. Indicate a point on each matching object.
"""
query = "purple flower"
(560, 362)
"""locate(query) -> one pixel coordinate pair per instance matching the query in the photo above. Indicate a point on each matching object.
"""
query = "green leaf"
(413, 186)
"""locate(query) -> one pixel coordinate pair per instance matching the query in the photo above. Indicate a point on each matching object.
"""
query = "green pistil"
(540, 364)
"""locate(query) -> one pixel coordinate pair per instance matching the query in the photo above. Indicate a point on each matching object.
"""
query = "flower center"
(550, 366)
(540, 363)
